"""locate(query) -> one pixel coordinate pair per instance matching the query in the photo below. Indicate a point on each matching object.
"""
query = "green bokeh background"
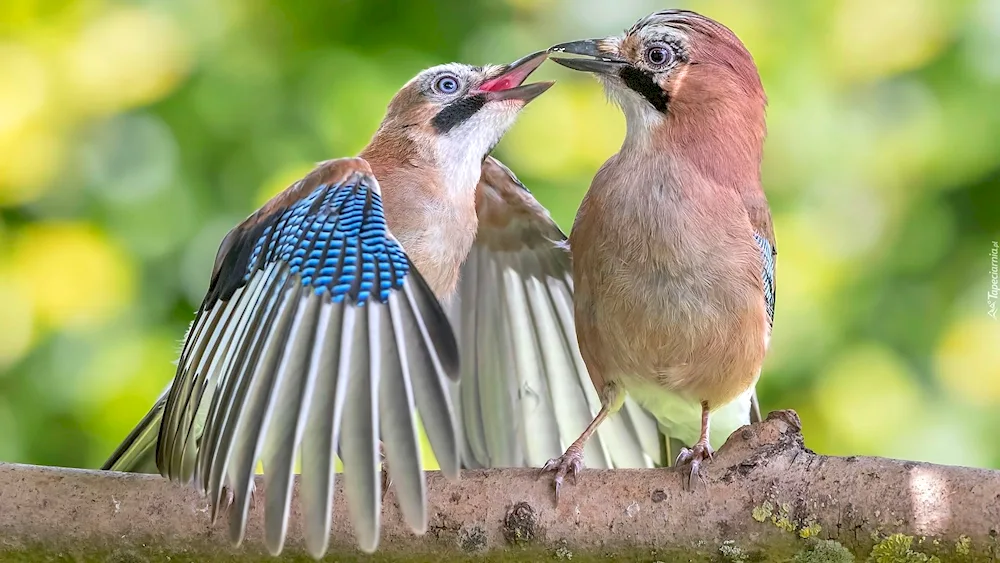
(133, 135)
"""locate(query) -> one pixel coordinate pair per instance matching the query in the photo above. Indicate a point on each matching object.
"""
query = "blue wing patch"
(767, 274)
(336, 240)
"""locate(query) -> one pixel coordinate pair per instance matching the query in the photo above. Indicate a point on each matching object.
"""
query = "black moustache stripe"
(642, 82)
(455, 113)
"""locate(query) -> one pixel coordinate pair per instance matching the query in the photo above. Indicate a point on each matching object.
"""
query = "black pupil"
(657, 56)
(447, 85)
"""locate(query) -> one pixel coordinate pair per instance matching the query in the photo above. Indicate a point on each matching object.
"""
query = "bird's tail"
(137, 453)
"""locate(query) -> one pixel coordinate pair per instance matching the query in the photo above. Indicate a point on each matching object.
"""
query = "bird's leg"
(572, 461)
(698, 453)
(386, 480)
(755, 408)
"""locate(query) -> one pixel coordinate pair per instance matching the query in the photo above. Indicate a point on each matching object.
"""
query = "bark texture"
(764, 497)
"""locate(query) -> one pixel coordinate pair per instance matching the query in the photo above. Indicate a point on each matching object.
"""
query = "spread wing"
(525, 393)
(317, 337)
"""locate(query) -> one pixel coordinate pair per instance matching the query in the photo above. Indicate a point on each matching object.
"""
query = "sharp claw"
(693, 458)
(386, 482)
(228, 499)
(567, 464)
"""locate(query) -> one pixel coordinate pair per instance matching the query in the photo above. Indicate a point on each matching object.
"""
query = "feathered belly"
(438, 251)
(669, 288)
(699, 336)
(680, 417)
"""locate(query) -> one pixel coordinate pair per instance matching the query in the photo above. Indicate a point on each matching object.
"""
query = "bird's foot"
(386, 479)
(693, 458)
(229, 499)
(569, 463)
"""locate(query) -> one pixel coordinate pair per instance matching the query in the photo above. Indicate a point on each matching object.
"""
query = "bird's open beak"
(601, 63)
(508, 85)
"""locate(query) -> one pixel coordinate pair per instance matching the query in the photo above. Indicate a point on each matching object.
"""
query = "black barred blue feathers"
(767, 273)
(318, 340)
(337, 241)
(316, 336)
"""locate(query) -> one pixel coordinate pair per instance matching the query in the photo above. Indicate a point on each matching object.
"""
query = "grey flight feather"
(137, 453)
(525, 393)
(317, 336)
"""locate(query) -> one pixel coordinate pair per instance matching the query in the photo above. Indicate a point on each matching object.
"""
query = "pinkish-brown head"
(676, 68)
(463, 107)
(449, 117)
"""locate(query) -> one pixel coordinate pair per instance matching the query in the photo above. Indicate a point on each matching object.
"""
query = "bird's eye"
(659, 56)
(446, 84)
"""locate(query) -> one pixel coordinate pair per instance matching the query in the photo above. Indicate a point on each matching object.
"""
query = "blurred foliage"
(133, 135)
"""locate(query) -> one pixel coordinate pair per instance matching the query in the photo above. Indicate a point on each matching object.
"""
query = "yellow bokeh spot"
(31, 159)
(875, 39)
(72, 273)
(968, 360)
(281, 180)
(866, 395)
(122, 380)
(128, 57)
(571, 126)
(16, 322)
(52, 18)
(24, 87)
(806, 274)
(530, 7)
(751, 20)
(430, 462)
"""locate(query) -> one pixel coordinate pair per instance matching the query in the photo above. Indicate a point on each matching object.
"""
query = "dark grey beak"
(602, 63)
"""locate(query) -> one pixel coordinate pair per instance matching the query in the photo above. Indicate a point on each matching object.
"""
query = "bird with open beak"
(673, 247)
(322, 333)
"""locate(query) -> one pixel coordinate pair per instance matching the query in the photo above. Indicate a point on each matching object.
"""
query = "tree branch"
(764, 498)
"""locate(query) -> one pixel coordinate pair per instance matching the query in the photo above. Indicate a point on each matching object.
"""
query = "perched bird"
(673, 247)
(268, 372)
(322, 333)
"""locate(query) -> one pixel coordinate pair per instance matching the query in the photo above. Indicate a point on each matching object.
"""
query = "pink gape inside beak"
(517, 72)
